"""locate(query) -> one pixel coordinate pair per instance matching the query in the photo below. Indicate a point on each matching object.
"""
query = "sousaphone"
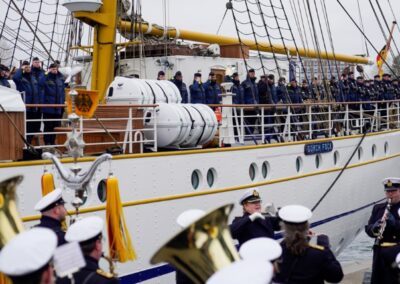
(202, 248)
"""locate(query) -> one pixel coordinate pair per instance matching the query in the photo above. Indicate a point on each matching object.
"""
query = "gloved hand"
(323, 240)
(376, 227)
(391, 221)
(255, 216)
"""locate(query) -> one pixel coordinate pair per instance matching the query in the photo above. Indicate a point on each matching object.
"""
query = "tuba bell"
(10, 221)
(202, 248)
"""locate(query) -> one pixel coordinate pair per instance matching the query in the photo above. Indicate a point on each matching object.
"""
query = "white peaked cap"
(244, 271)
(48, 199)
(189, 216)
(84, 229)
(28, 252)
(260, 249)
(254, 193)
(295, 214)
(398, 260)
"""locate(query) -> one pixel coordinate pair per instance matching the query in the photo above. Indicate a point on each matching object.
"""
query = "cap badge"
(389, 183)
(256, 194)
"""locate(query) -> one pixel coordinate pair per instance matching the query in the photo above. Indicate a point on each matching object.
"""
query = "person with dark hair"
(4, 77)
(212, 90)
(253, 224)
(197, 94)
(281, 91)
(161, 75)
(303, 262)
(250, 97)
(53, 212)
(88, 233)
(54, 93)
(37, 69)
(305, 90)
(26, 259)
(237, 89)
(32, 91)
(178, 81)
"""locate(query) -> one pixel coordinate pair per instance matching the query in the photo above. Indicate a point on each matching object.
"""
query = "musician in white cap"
(303, 262)
(26, 259)
(384, 226)
(88, 233)
(53, 212)
(253, 224)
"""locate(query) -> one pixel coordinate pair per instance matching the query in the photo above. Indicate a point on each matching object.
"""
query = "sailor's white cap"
(250, 195)
(244, 271)
(391, 183)
(50, 200)
(261, 249)
(295, 214)
(84, 229)
(189, 216)
(398, 260)
(28, 252)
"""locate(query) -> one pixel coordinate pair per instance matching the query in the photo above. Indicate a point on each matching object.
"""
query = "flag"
(381, 58)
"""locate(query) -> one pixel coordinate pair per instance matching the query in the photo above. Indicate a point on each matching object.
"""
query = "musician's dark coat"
(243, 229)
(382, 271)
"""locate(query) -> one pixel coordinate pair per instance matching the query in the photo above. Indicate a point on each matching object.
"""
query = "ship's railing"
(117, 128)
(260, 124)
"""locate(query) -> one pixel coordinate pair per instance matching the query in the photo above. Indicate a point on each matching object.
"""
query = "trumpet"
(383, 221)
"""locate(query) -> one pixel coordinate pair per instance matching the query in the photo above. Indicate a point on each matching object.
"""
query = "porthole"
(102, 190)
(196, 179)
(386, 148)
(265, 170)
(211, 177)
(360, 153)
(299, 164)
(318, 161)
(373, 150)
(336, 157)
(253, 171)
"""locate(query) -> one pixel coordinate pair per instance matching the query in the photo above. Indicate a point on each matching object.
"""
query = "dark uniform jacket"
(238, 90)
(54, 92)
(295, 95)
(243, 229)
(182, 89)
(212, 92)
(4, 82)
(388, 90)
(55, 226)
(250, 91)
(197, 94)
(27, 83)
(90, 274)
(316, 265)
(385, 251)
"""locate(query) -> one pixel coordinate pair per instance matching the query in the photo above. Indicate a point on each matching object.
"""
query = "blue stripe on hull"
(165, 269)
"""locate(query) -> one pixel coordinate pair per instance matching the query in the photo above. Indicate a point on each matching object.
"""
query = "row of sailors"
(38, 87)
(27, 257)
(266, 91)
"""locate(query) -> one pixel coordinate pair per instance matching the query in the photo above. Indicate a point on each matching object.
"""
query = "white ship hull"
(156, 187)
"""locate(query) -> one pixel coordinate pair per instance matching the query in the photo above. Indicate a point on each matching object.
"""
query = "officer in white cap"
(244, 271)
(384, 226)
(253, 224)
(26, 259)
(51, 206)
(303, 262)
(88, 233)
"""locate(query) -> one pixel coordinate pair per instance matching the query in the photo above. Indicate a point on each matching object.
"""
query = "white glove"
(256, 215)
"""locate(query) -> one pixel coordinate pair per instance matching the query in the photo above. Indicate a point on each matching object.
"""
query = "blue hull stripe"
(165, 269)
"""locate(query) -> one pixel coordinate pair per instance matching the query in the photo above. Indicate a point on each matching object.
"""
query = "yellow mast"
(104, 22)
(224, 40)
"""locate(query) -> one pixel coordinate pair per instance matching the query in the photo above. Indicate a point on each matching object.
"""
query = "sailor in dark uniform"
(26, 258)
(303, 262)
(253, 224)
(51, 206)
(386, 231)
(88, 233)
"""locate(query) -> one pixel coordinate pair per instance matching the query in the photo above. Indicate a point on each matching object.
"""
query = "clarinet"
(383, 222)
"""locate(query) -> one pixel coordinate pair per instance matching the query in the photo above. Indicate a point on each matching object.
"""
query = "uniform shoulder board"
(316, 247)
(104, 274)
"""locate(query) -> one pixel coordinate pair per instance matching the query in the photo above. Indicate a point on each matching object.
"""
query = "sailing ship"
(330, 157)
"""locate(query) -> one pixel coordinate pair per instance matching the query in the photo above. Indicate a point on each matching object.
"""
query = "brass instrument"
(10, 221)
(111, 265)
(383, 222)
(202, 248)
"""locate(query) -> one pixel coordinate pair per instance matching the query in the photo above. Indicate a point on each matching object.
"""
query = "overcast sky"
(206, 15)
